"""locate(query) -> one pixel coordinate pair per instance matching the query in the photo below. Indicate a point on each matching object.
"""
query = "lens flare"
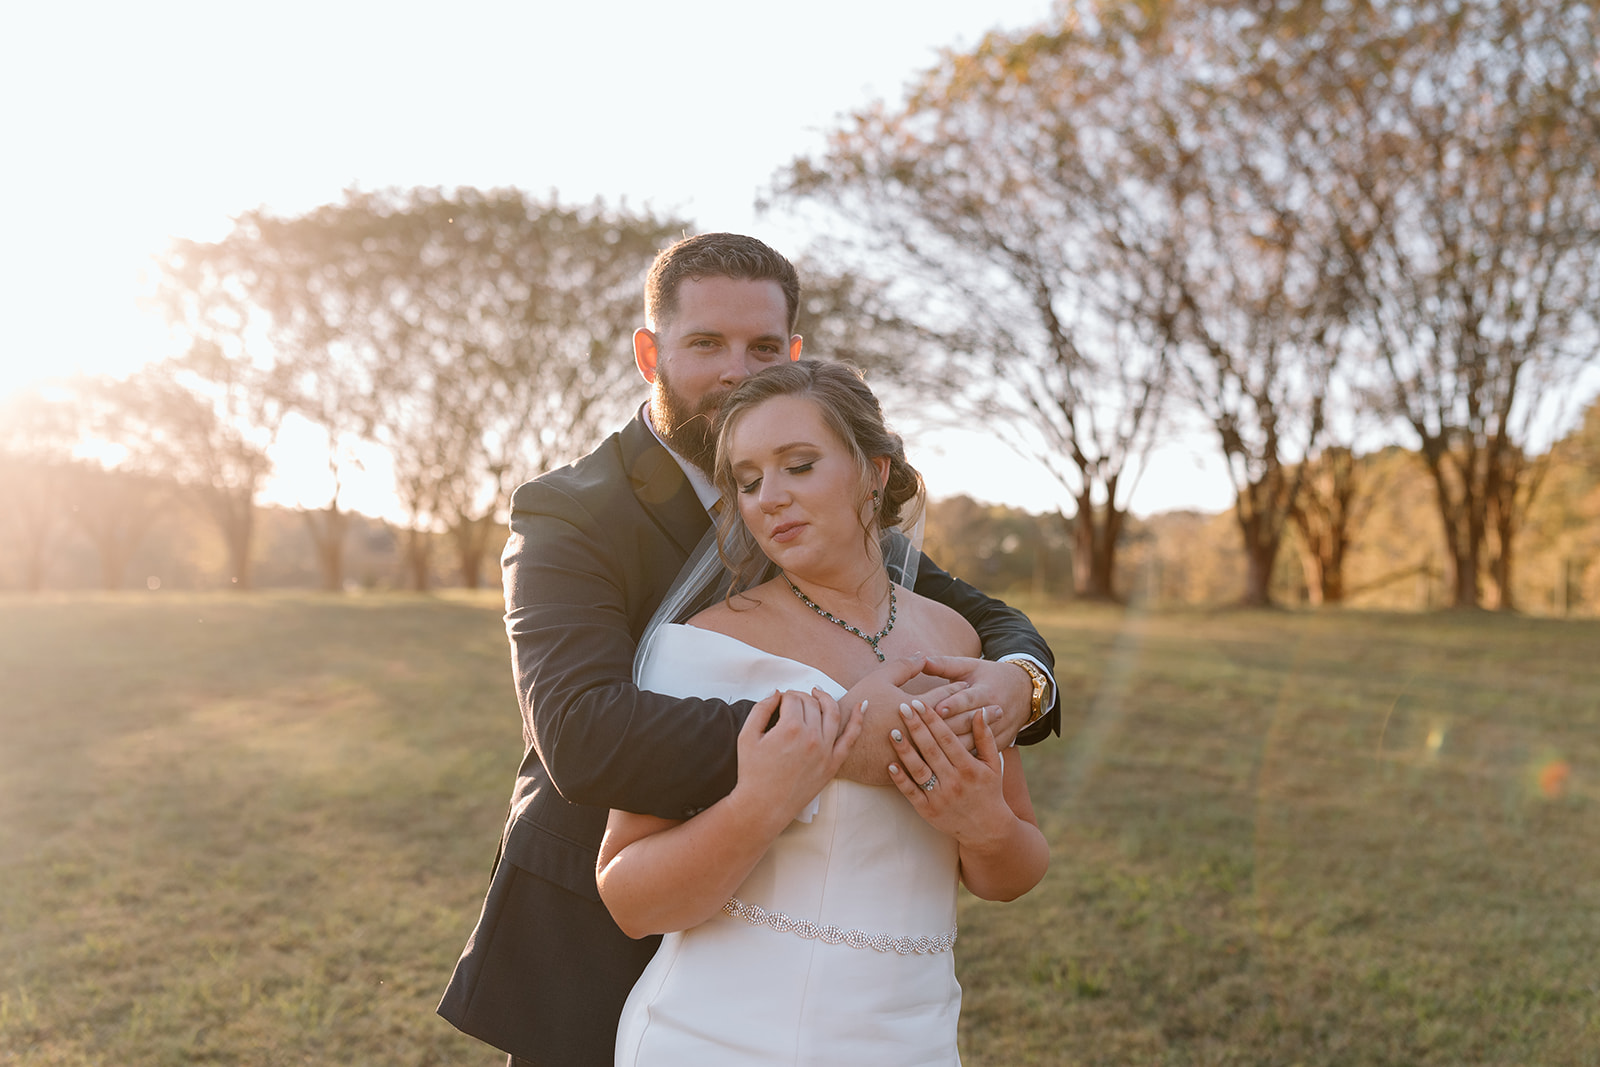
(1553, 777)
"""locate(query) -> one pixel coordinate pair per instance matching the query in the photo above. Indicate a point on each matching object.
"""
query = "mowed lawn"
(256, 830)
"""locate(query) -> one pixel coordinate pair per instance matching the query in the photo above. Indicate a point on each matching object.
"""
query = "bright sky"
(126, 124)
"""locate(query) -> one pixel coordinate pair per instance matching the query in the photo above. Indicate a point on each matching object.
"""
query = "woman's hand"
(784, 761)
(658, 875)
(977, 798)
(967, 797)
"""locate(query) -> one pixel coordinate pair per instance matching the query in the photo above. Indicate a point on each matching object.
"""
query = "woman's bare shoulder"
(736, 615)
(951, 634)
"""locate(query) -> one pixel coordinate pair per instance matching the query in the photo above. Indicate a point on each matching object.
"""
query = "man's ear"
(645, 354)
(794, 347)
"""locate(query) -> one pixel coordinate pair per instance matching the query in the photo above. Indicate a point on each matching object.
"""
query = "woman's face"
(799, 488)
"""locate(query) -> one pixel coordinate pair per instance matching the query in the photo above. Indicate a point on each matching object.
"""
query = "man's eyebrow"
(707, 331)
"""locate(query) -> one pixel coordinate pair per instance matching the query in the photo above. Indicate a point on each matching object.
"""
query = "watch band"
(1036, 704)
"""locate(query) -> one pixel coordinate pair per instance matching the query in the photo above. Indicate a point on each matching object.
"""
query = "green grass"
(256, 830)
(245, 830)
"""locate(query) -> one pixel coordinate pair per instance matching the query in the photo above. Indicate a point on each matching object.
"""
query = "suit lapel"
(660, 486)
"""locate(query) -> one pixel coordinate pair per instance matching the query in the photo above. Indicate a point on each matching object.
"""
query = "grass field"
(256, 830)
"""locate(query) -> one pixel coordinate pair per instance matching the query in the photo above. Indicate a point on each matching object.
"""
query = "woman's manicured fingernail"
(905, 711)
(991, 713)
(897, 735)
(894, 770)
(919, 705)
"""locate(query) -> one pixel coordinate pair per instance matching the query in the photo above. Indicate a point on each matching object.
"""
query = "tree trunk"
(471, 536)
(1333, 571)
(114, 552)
(327, 528)
(1261, 510)
(1314, 566)
(234, 512)
(419, 549)
(1260, 553)
(1094, 549)
(239, 539)
(1462, 517)
(1500, 566)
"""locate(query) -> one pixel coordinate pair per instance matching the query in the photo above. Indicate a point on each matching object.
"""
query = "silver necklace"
(872, 639)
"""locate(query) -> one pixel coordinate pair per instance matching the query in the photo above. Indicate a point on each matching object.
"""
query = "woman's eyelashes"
(799, 468)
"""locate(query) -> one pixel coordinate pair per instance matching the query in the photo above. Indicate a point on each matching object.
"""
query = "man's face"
(724, 330)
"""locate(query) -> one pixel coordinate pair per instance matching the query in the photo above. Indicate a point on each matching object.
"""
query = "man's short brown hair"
(716, 255)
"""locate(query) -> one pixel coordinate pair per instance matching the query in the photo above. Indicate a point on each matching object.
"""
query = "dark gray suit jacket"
(593, 549)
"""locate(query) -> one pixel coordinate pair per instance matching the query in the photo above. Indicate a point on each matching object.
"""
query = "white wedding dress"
(839, 948)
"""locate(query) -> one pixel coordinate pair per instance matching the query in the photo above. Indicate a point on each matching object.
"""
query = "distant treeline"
(1394, 559)
(98, 529)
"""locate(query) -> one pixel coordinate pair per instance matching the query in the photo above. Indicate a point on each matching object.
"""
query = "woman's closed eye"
(750, 487)
(799, 469)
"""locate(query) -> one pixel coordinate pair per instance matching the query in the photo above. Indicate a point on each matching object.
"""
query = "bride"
(811, 920)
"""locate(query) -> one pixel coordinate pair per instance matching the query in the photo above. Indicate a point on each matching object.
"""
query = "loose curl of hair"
(851, 412)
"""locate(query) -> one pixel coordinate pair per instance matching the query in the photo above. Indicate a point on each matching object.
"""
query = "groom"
(592, 552)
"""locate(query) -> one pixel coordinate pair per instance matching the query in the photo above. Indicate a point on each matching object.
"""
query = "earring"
(874, 500)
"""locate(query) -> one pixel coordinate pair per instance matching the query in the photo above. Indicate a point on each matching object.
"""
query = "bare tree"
(1480, 157)
(991, 203)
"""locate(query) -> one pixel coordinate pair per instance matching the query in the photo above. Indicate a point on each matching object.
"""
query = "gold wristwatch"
(1036, 705)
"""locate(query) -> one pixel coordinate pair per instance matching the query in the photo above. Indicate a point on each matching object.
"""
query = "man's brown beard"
(686, 427)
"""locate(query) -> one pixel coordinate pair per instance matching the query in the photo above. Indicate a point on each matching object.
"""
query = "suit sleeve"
(603, 741)
(1004, 631)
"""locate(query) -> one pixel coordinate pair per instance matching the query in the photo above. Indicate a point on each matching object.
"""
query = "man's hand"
(882, 692)
(988, 683)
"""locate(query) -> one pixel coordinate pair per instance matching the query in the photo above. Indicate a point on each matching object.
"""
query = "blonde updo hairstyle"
(851, 411)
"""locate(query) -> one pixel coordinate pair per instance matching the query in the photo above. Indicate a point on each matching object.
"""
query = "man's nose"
(736, 369)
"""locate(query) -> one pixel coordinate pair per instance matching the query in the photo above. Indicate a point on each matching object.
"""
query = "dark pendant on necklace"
(871, 639)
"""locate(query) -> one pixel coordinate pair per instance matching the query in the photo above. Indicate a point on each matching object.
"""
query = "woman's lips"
(786, 531)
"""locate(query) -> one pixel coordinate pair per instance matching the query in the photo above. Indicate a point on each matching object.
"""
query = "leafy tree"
(115, 510)
(205, 421)
(38, 432)
(479, 337)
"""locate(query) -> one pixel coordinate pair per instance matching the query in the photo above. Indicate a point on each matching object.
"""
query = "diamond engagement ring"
(933, 780)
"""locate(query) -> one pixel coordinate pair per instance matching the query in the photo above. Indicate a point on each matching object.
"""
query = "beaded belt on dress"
(756, 915)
